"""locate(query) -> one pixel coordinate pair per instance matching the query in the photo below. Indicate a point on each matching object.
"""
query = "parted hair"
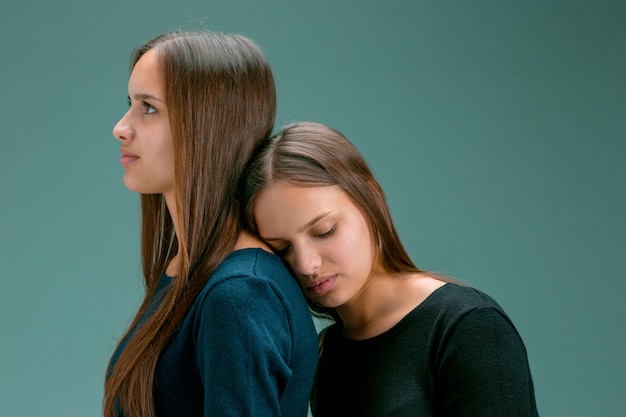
(312, 155)
(221, 100)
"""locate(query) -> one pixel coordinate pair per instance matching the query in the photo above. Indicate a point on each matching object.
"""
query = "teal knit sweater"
(247, 346)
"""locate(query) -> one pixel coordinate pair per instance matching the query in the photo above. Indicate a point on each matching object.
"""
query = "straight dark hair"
(221, 100)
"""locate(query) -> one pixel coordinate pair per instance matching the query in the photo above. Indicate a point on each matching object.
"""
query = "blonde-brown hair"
(221, 100)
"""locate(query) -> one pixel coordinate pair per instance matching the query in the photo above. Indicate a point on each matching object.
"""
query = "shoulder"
(478, 357)
(459, 300)
(250, 262)
(453, 304)
(247, 271)
(466, 313)
(251, 281)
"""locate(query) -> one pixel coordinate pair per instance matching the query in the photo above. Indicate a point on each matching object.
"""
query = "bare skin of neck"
(173, 268)
(245, 240)
(384, 301)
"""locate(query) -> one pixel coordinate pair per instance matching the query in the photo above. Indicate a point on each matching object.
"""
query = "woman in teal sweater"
(223, 329)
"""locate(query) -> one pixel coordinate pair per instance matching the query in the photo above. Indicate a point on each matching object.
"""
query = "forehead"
(145, 74)
(282, 195)
(284, 208)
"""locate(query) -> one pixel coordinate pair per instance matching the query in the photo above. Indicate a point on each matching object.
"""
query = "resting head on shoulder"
(247, 240)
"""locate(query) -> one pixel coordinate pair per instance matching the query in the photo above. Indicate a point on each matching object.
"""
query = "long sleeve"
(484, 368)
(247, 346)
(243, 347)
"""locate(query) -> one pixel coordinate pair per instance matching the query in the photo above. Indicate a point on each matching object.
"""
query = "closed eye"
(327, 234)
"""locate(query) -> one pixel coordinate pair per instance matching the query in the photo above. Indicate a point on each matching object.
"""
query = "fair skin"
(326, 240)
(147, 148)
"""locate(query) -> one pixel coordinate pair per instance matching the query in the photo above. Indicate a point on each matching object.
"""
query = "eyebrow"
(145, 97)
(306, 226)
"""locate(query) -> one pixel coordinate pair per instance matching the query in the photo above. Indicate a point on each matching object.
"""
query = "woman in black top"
(404, 342)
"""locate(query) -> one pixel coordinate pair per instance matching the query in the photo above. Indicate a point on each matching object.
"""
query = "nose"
(307, 261)
(122, 130)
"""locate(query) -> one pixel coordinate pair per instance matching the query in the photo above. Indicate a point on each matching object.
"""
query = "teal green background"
(496, 128)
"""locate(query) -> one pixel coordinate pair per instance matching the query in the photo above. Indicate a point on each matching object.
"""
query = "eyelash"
(149, 109)
(325, 235)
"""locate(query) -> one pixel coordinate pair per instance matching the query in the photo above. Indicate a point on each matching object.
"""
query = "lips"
(322, 285)
(128, 158)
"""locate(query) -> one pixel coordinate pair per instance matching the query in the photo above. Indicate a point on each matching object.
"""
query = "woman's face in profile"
(144, 132)
(322, 235)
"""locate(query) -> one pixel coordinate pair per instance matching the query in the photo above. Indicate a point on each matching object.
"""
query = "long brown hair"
(221, 99)
(313, 155)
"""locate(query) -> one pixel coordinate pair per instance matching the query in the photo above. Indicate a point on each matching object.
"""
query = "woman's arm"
(484, 370)
(243, 344)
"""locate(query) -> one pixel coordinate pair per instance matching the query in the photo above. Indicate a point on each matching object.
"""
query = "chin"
(137, 186)
(328, 303)
(131, 186)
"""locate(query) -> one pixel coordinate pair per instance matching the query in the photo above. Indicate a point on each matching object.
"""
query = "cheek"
(301, 282)
(290, 261)
(166, 156)
(357, 249)
(347, 250)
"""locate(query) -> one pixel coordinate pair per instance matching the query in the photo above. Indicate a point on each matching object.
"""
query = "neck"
(249, 240)
(173, 268)
(245, 239)
(383, 302)
(363, 312)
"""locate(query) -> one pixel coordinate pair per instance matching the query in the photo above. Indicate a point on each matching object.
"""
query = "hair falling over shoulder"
(220, 94)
